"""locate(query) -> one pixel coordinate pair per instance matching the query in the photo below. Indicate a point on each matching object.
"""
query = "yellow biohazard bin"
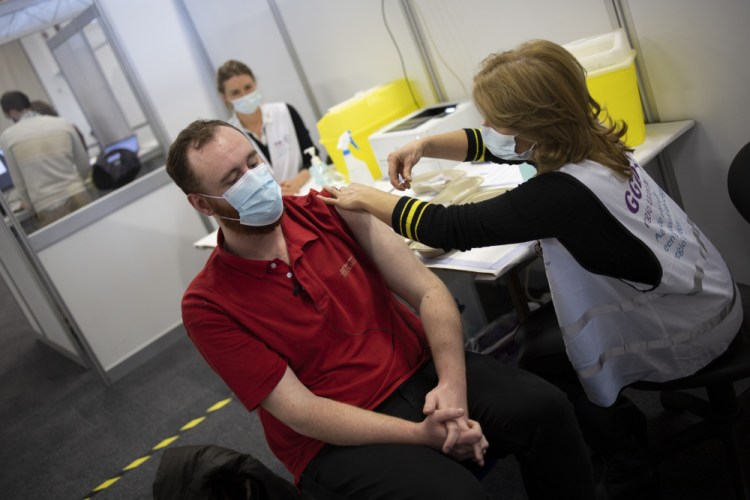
(364, 114)
(610, 68)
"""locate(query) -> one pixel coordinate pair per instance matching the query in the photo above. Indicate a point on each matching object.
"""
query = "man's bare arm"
(426, 293)
(345, 425)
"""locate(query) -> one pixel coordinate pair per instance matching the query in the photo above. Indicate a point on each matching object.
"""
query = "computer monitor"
(6, 183)
(130, 142)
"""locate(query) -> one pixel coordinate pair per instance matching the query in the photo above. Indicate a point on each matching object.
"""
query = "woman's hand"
(352, 197)
(359, 197)
(402, 161)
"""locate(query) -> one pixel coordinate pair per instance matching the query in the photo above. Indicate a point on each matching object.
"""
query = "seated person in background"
(275, 128)
(296, 310)
(44, 108)
(640, 293)
(46, 159)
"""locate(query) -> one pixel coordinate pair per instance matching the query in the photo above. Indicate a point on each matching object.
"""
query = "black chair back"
(738, 182)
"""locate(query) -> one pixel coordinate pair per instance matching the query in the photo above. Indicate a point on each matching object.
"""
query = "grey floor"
(63, 433)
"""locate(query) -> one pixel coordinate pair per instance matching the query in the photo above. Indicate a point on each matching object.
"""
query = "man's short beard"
(228, 213)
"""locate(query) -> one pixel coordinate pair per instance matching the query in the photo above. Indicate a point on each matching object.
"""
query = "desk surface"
(658, 137)
(494, 261)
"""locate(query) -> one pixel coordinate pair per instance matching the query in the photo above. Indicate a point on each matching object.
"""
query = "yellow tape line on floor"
(162, 444)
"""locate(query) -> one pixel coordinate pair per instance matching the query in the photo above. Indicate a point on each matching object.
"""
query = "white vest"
(619, 332)
(283, 146)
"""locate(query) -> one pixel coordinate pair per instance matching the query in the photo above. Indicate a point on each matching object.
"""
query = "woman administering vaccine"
(276, 129)
(638, 290)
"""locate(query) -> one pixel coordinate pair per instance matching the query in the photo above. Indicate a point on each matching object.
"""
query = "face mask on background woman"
(248, 104)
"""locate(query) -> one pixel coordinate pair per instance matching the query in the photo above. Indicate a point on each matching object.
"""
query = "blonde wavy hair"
(539, 90)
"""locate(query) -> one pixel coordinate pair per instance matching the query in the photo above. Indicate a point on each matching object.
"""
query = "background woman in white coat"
(276, 129)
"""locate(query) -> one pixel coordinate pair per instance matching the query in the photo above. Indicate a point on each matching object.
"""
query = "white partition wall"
(122, 277)
(166, 58)
(344, 46)
(247, 31)
(29, 292)
(696, 60)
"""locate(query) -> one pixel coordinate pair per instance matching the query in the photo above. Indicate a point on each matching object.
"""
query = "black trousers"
(520, 414)
(617, 435)
(607, 430)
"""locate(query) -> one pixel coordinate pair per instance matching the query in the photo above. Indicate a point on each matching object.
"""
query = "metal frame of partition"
(157, 127)
(49, 291)
(620, 17)
(26, 247)
(433, 76)
(76, 59)
(295, 58)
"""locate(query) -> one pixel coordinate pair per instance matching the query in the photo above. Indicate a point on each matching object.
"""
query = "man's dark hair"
(194, 136)
(14, 100)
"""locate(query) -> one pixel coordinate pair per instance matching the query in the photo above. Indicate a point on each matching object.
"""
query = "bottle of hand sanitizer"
(357, 170)
(316, 167)
(322, 174)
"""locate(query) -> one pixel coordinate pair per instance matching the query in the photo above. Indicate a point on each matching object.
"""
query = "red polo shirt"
(329, 316)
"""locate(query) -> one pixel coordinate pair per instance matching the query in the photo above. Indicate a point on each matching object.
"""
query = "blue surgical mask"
(502, 145)
(247, 104)
(256, 196)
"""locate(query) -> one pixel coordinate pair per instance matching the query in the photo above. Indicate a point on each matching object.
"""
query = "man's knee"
(389, 472)
(491, 381)
(466, 488)
(510, 402)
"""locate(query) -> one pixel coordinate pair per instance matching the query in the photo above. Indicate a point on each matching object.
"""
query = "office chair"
(723, 415)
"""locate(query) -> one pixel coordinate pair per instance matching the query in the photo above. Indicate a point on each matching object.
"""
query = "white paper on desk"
(488, 260)
(494, 174)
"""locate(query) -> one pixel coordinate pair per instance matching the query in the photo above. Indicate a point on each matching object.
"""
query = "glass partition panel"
(77, 56)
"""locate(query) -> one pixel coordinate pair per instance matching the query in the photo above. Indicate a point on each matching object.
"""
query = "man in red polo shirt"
(297, 311)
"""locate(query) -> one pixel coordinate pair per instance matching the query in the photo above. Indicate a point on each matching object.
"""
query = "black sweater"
(550, 205)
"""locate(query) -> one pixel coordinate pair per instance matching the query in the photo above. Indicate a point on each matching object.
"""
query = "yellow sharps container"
(611, 79)
(364, 114)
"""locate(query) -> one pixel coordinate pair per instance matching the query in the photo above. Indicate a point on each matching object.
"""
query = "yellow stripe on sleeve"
(480, 150)
(477, 151)
(422, 208)
(402, 216)
(411, 209)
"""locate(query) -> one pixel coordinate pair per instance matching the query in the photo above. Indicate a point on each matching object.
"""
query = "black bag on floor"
(115, 169)
(209, 472)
